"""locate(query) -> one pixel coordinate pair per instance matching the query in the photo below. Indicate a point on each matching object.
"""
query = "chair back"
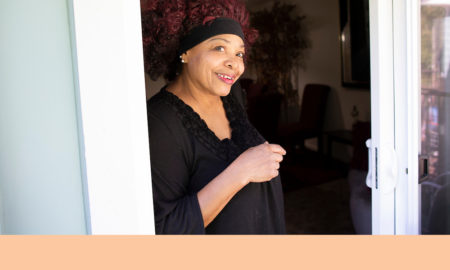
(312, 111)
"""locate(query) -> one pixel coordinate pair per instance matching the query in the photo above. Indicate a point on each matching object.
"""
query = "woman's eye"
(220, 48)
(241, 55)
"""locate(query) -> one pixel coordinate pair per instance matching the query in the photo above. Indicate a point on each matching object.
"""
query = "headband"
(216, 27)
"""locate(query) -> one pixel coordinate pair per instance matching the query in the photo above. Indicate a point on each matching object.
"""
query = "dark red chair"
(310, 124)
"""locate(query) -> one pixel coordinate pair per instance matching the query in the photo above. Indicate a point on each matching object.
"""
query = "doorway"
(317, 189)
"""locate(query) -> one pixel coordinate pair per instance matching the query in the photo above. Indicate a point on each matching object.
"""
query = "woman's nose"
(230, 63)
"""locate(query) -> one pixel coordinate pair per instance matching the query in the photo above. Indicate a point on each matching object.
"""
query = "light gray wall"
(40, 178)
(153, 87)
(324, 65)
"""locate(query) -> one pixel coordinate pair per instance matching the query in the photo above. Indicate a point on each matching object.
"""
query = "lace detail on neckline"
(243, 134)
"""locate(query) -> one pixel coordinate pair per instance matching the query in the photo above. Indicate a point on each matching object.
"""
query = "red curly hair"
(165, 23)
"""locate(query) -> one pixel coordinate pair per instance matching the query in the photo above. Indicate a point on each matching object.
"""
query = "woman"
(211, 170)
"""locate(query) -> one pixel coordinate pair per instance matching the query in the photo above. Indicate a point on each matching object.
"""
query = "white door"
(410, 54)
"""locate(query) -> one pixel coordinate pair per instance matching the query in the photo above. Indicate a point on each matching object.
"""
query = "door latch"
(423, 168)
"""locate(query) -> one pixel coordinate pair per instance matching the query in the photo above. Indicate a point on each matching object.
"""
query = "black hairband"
(201, 33)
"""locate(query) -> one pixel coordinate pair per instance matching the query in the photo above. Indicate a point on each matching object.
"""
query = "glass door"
(434, 164)
(410, 96)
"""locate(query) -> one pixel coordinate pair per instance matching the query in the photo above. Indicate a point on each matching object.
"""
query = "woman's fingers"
(275, 173)
(277, 149)
(262, 162)
(277, 157)
(277, 166)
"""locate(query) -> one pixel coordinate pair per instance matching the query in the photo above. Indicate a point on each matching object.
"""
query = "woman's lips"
(228, 79)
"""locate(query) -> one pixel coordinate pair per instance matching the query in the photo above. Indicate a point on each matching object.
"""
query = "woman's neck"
(207, 105)
(192, 95)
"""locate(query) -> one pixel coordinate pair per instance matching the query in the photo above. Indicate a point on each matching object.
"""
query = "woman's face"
(215, 64)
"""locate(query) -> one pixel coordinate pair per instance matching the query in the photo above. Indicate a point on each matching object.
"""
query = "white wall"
(324, 65)
(40, 179)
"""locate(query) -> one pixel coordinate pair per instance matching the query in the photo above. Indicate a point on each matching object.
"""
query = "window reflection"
(435, 101)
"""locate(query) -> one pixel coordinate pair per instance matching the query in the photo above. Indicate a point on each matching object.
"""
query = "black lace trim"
(243, 135)
(246, 135)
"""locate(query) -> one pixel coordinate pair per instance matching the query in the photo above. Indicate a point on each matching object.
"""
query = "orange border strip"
(224, 252)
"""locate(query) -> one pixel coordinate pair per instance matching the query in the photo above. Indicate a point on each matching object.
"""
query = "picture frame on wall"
(355, 43)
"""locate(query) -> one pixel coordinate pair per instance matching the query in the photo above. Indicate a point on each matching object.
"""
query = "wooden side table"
(341, 136)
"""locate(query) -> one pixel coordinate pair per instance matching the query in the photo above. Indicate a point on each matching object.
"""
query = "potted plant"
(280, 49)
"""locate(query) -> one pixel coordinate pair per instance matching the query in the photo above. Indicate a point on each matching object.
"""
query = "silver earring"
(182, 60)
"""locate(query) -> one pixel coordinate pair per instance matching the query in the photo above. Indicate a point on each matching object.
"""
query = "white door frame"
(382, 112)
(395, 93)
(407, 112)
(108, 61)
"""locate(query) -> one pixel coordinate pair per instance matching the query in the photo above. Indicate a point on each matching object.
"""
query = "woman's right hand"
(260, 163)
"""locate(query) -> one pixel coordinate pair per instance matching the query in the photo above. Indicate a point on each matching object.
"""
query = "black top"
(186, 155)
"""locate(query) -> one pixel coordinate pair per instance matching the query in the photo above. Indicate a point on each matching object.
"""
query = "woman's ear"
(183, 58)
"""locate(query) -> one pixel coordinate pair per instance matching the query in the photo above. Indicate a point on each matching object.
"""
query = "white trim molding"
(107, 49)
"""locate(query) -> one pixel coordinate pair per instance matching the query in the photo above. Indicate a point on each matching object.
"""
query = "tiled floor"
(319, 209)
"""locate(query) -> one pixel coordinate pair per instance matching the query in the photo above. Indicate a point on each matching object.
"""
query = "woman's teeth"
(225, 76)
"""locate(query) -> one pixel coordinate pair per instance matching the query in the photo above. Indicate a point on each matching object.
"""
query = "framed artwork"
(355, 43)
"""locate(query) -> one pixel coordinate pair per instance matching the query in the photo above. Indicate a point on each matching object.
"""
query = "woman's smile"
(228, 79)
(214, 65)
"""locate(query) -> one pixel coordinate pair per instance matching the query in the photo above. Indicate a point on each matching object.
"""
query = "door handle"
(383, 164)
(371, 165)
(423, 168)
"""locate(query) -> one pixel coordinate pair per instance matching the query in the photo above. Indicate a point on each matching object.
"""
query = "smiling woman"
(212, 172)
(213, 65)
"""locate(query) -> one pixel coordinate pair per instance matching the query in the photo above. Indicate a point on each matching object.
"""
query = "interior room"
(317, 106)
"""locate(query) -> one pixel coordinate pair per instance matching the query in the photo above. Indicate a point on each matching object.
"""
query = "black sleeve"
(176, 211)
